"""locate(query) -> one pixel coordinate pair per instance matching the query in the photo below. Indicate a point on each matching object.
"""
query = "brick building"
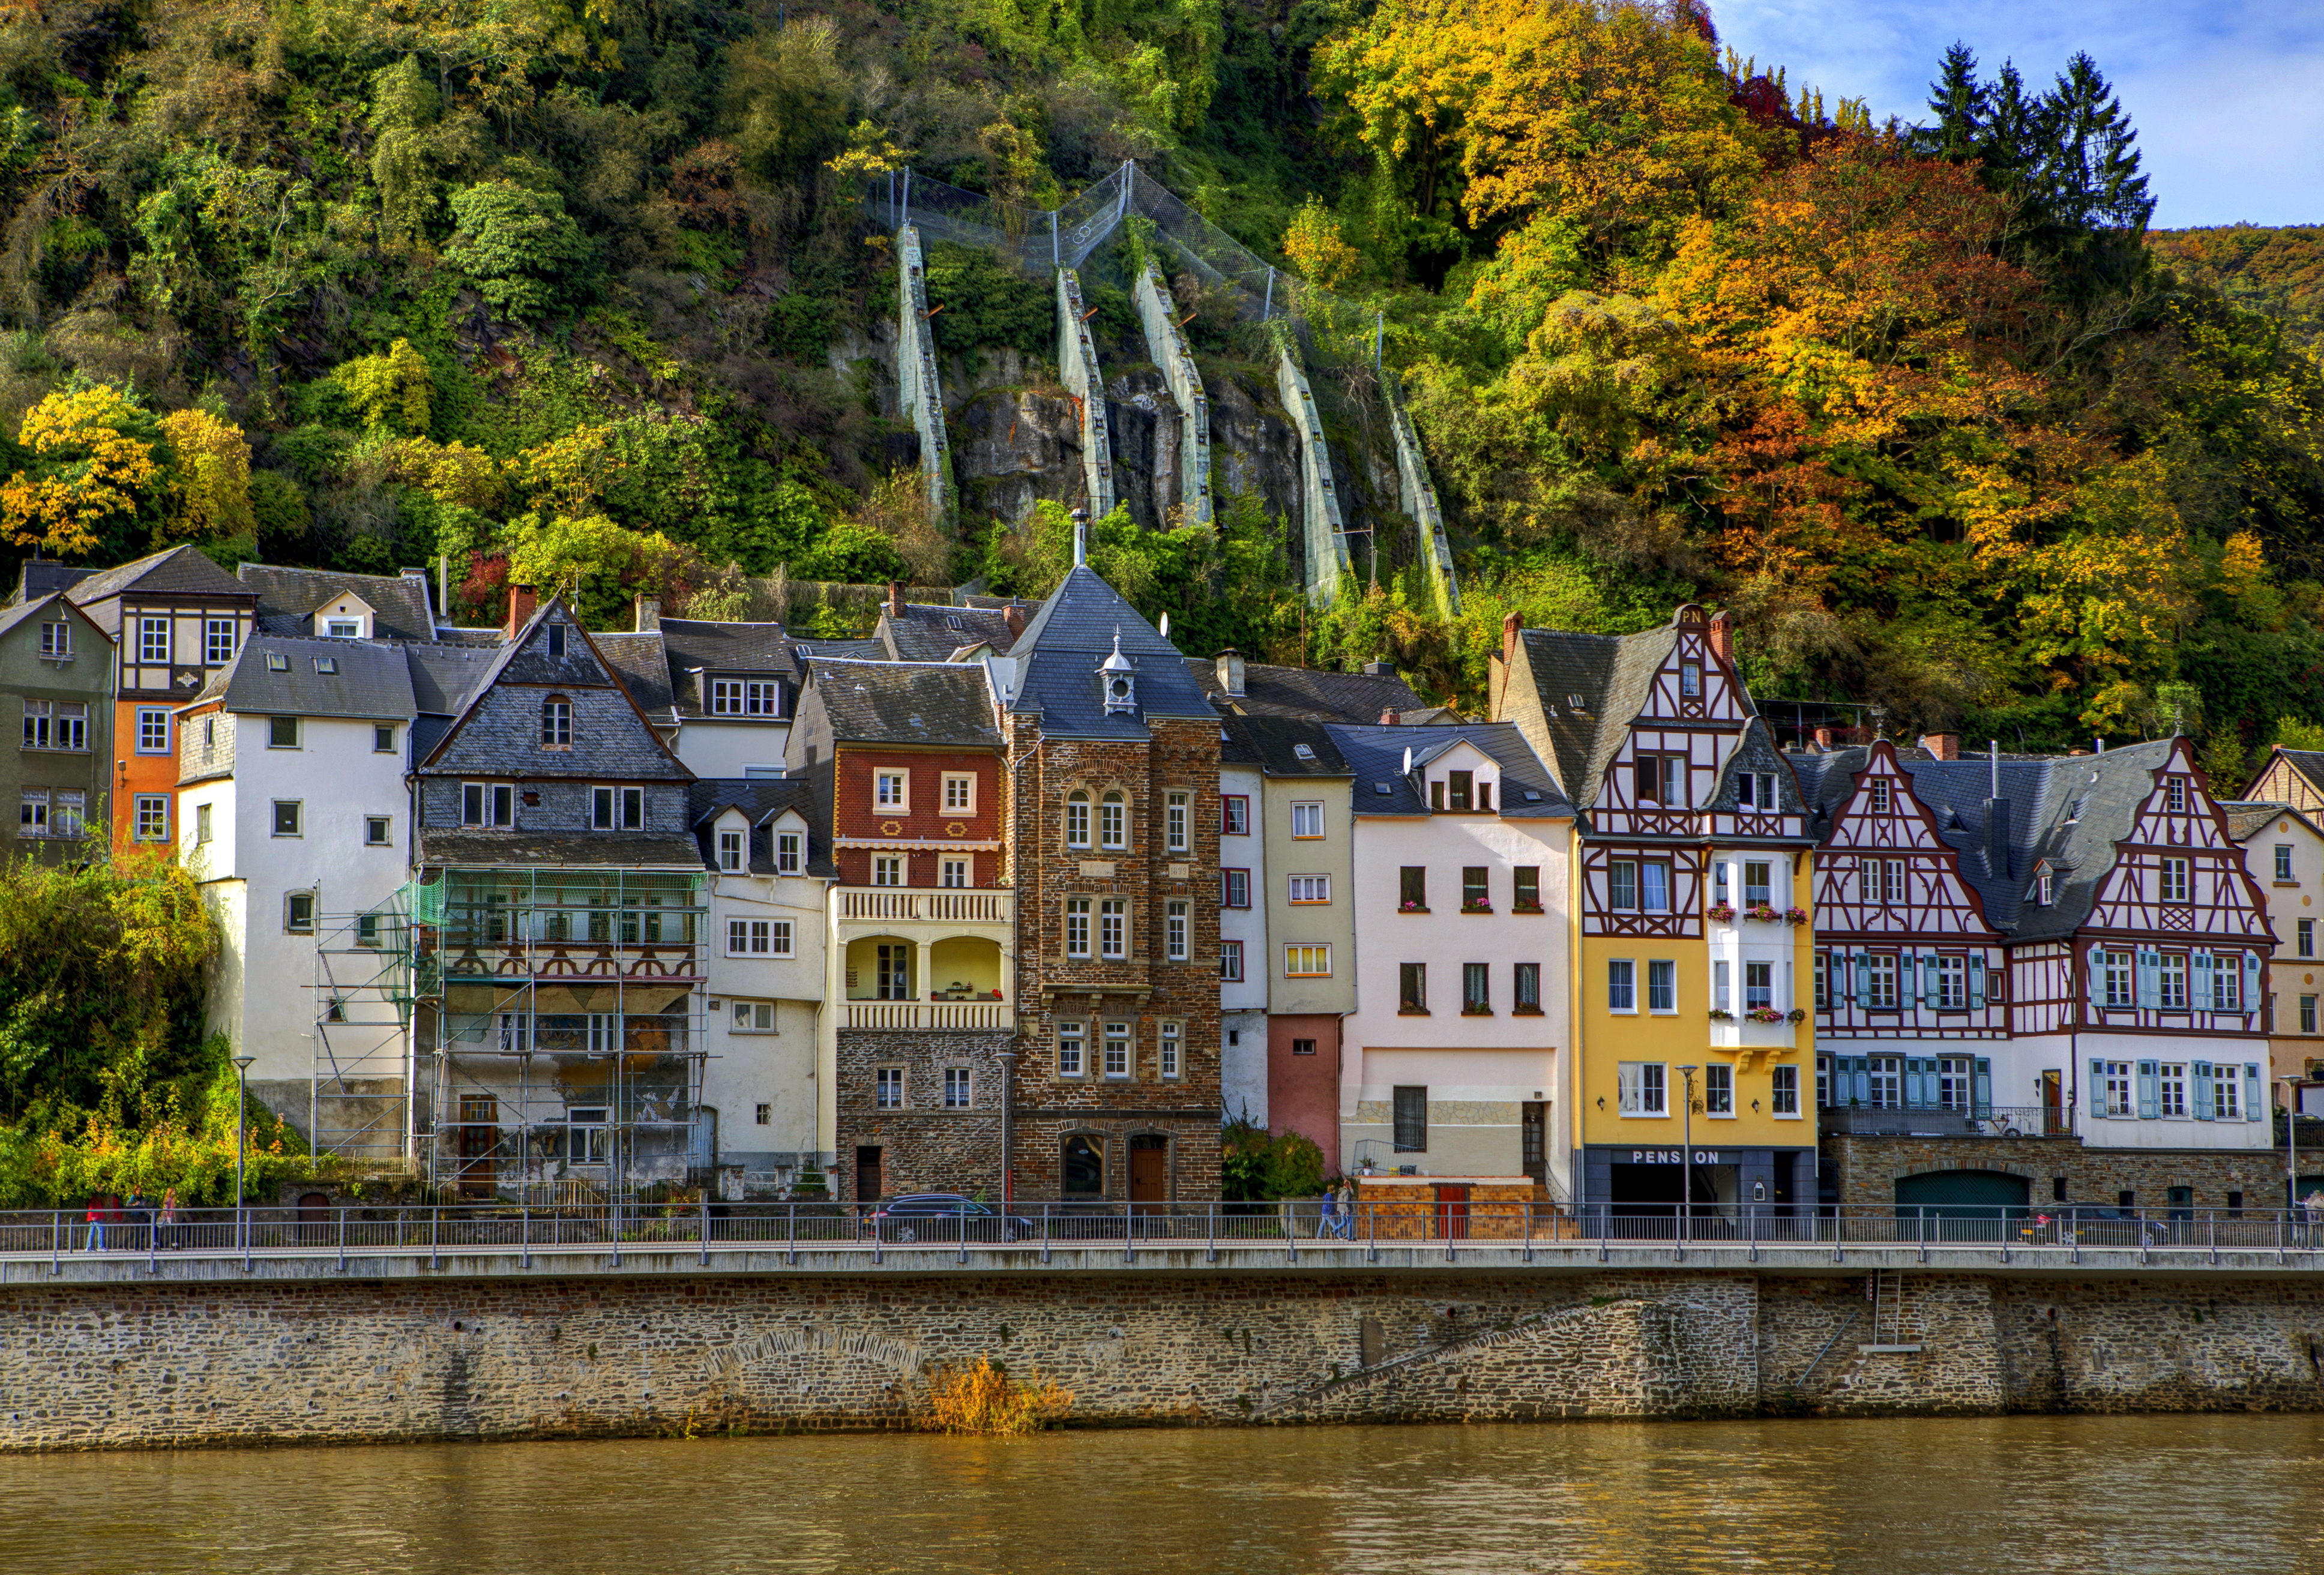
(1112, 811)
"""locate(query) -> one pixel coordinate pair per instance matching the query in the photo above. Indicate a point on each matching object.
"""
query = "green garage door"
(1962, 1194)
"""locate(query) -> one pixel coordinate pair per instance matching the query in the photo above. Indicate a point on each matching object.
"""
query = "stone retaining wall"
(1869, 1166)
(97, 1366)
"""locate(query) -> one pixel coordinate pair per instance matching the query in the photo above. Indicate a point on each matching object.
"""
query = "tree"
(93, 470)
(527, 256)
(209, 477)
(598, 565)
(393, 389)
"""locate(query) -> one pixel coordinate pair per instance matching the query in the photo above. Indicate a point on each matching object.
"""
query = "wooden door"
(480, 1137)
(1149, 1171)
(868, 1188)
(2053, 1100)
(1535, 1117)
(1452, 1211)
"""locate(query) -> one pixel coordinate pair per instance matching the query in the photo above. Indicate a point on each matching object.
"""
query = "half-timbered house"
(1693, 909)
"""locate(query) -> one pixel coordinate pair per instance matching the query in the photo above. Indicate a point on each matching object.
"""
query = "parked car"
(946, 1217)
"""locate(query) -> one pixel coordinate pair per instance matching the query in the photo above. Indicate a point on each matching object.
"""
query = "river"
(2094, 1496)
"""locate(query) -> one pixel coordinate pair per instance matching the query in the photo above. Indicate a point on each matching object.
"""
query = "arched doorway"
(1081, 1173)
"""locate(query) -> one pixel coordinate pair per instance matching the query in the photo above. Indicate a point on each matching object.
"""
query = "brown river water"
(2093, 1495)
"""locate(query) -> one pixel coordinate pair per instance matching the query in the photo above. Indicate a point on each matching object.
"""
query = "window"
(556, 640)
(1307, 961)
(1754, 883)
(2116, 980)
(1168, 1048)
(1070, 1044)
(2117, 1097)
(1412, 889)
(959, 793)
(1952, 983)
(32, 814)
(588, 1135)
(209, 732)
(2174, 790)
(1307, 821)
(375, 831)
(491, 803)
(1078, 820)
(1411, 988)
(1309, 889)
(1231, 961)
(1117, 1049)
(1622, 885)
(556, 722)
(1883, 881)
(953, 874)
(1234, 815)
(1783, 1091)
(290, 815)
(2170, 981)
(1077, 926)
(1622, 985)
(893, 981)
(1476, 892)
(730, 850)
(2045, 888)
(1719, 1089)
(56, 639)
(1823, 1082)
(616, 809)
(201, 822)
(958, 1091)
(1719, 882)
(1528, 889)
(1654, 886)
(153, 641)
(889, 1087)
(69, 817)
(1113, 929)
(791, 853)
(1461, 788)
(891, 791)
(743, 697)
(1174, 932)
(383, 738)
(1722, 986)
(1303, 1046)
(1662, 986)
(52, 725)
(1955, 1088)
(754, 1017)
(1237, 888)
(2307, 938)
(887, 869)
(1879, 793)
(1690, 680)
(282, 732)
(1880, 982)
(2225, 1105)
(1660, 780)
(1759, 986)
(278, 661)
(1476, 990)
(1641, 1088)
(1114, 822)
(2284, 861)
(1411, 1112)
(1527, 995)
(1885, 1076)
(39, 715)
(328, 667)
(2175, 879)
(341, 627)
(2227, 983)
(153, 730)
(298, 913)
(1176, 810)
(1755, 791)
(2171, 1088)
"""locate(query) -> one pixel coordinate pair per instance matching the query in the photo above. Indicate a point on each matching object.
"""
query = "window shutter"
(1976, 979)
(2254, 1110)
(2093, 974)
(1860, 1080)
(1863, 978)
(2097, 1088)
(2149, 1106)
(2251, 982)
(2203, 1090)
(1982, 1093)
(1916, 1085)
(2201, 998)
(1928, 961)
(2150, 971)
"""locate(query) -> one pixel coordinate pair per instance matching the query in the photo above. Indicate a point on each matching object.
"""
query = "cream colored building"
(2284, 849)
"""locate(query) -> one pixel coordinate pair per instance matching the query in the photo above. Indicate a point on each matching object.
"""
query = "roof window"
(1382, 789)
(1573, 702)
(276, 662)
(1305, 752)
(327, 665)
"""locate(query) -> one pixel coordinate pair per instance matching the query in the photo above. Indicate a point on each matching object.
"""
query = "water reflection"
(2119, 1495)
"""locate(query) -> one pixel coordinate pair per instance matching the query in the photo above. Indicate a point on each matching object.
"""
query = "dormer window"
(791, 853)
(343, 628)
(557, 722)
(1303, 752)
(1118, 681)
(1755, 791)
(730, 852)
(2045, 888)
(1461, 791)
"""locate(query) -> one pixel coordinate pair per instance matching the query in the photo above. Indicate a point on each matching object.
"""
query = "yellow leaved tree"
(90, 468)
(209, 482)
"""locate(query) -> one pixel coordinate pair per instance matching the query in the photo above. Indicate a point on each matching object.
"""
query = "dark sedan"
(938, 1217)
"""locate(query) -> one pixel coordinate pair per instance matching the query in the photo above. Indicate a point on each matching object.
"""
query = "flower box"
(1765, 1015)
(1525, 907)
(1721, 912)
(1475, 907)
(1722, 1014)
(1412, 908)
(1764, 913)
(1796, 916)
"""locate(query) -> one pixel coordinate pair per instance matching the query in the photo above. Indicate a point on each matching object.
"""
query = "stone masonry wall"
(925, 1146)
(1868, 1168)
(173, 1364)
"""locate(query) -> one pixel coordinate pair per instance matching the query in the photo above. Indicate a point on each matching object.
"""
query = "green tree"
(527, 256)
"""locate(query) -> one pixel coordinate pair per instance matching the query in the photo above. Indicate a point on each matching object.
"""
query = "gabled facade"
(732, 690)
(2283, 850)
(329, 604)
(56, 669)
(1692, 908)
(2292, 776)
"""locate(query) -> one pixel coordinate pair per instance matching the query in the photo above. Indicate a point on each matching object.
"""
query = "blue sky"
(2227, 98)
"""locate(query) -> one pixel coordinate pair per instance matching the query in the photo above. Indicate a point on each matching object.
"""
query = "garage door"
(1963, 1195)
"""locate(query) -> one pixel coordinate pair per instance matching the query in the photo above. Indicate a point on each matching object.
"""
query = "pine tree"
(1959, 104)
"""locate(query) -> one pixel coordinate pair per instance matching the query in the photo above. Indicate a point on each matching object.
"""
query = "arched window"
(1078, 820)
(1114, 822)
(557, 722)
(1085, 1167)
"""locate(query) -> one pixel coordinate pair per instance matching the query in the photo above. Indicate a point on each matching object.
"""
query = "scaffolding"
(557, 1038)
(359, 1104)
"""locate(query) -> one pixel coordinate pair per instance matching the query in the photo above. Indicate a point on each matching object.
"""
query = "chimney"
(1232, 672)
(1081, 536)
(1996, 838)
(1379, 670)
(895, 600)
(523, 604)
(648, 614)
(2101, 743)
(1722, 636)
(1511, 625)
(1389, 717)
(1823, 741)
(1014, 617)
(1941, 746)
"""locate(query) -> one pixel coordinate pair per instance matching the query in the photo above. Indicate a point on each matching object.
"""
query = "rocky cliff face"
(1014, 446)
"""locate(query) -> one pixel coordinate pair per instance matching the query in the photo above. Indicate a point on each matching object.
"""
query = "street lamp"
(2292, 1146)
(241, 1100)
(1686, 1154)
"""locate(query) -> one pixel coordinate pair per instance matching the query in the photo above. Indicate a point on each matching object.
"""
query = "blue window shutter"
(1863, 977)
(2150, 1106)
(1976, 979)
(2201, 998)
(2150, 971)
(2203, 1090)
(1982, 1093)
(1916, 1083)
(2251, 981)
(1863, 1080)
(2253, 1109)
(2096, 1098)
(1929, 980)
(2094, 975)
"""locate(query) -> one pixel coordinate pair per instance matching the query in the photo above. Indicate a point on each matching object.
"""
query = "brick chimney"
(648, 614)
(1824, 740)
(1941, 746)
(1722, 636)
(895, 600)
(1389, 717)
(1512, 625)
(523, 604)
(1014, 617)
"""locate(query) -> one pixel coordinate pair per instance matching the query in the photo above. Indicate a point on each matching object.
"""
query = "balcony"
(922, 904)
(929, 1016)
(1742, 1034)
(1938, 1121)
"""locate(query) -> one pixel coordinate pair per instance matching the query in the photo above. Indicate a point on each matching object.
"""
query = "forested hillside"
(586, 295)
(2278, 272)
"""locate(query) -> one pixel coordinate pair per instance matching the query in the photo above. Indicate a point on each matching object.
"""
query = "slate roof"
(852, 650)
(927, 632)
(39, 576)
(756, 648)
(372, 681)
(497, 731)
(180, 571)
(915, 703)
(763, 802)
(288, 598)
(1054, 664)
(2309, 763)
(1273, 744)
(1613, 674)
(442, 845)
(446, 678)
(642, 663)
(2248, 817)
(1278, 691)
(1375, 754)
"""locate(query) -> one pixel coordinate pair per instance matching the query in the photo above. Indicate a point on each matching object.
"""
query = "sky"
(2227, 97)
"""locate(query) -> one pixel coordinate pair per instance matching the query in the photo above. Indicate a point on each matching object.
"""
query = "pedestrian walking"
(169, 1222)
(96, 1223)
(2314, 1204)
(1347, 1210)
(139, 1214)
(1327, 1223)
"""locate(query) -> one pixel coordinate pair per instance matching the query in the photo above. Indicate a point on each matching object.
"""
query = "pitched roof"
(1278, 691)
(1613, 675)
(363, 679)
(18, 611)
(38, 577)
(763, 802)
(1376, 755)
(854, 650)
(2309, 763)
(497, 731)
(179, 571)
(689, 644)
(1054, 664)
(2248, 817)
(641, 660)
(287, 599)
(1274, 744)
(573, 850)
(925, 633)
(446, 678)
(916, 702)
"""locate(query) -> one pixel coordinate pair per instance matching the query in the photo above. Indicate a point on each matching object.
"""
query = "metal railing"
(1715, 1234)
(1941, 1121)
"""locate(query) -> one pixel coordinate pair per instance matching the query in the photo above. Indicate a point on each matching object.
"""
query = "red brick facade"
(933, 832)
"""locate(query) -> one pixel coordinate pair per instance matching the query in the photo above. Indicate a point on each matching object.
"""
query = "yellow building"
(1691, 923)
